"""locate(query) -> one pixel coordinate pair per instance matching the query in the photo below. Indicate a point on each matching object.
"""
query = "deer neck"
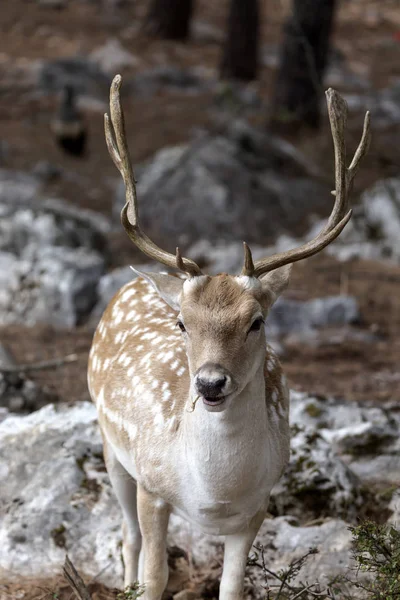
(248, 409)
(225, 453)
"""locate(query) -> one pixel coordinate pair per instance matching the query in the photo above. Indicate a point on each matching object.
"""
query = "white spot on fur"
(167, 357)
(128, 294)
(149, 336)
(166, 395)
(118, 337)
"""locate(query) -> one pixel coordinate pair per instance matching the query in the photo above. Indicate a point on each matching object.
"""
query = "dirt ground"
(339, 366)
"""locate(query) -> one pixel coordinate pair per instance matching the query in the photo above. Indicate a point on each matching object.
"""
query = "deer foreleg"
(237, 548)
(124, 487)
(153, 518)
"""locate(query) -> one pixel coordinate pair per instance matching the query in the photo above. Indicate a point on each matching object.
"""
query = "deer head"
(221, 318)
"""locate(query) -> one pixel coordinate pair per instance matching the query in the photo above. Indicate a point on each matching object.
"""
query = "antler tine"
(248, 268)
(340, 216)
(362, 147)
(186, 265)
(119, 152)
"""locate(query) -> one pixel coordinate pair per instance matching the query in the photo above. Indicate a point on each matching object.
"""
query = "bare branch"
(75, 580)
(39, 366)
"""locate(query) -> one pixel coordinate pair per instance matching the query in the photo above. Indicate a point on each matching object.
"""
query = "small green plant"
(377, 552)
(284, 584)
(131, 592)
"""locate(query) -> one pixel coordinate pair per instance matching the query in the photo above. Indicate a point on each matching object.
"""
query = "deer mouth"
(214, 401)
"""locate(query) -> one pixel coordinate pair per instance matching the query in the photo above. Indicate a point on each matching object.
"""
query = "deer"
(192, 402)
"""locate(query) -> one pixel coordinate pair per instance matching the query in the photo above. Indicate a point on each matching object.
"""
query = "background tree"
(298, 86)
(169, 19)
(240, 52)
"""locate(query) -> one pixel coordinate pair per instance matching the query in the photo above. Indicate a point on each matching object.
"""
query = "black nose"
(210, 388)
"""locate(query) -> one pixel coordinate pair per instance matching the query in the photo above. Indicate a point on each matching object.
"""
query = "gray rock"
(383, 104)
(57, 286)
(293, 316)
(284, 541)
(243, 185)
(367, 438)
(317, 482)
(51, 255)
(83, 74)
(17, 187)
(112, 56)
(18, 393)
(55, 495)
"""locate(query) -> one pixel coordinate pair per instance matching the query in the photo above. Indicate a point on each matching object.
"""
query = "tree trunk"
(169, 19)
(298, 86)
(240, 53)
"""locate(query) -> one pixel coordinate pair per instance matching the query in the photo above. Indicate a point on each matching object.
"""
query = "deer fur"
(214, 468)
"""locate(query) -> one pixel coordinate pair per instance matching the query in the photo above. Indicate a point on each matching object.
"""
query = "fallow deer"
(192, 402)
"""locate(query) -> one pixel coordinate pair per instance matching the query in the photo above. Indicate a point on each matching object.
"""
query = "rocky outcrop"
(366, 438)
(51, 255)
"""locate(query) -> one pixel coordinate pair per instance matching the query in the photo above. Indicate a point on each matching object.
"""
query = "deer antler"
(119, 152)
(340, 216)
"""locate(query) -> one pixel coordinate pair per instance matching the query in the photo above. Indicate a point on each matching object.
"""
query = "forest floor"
(345, 368)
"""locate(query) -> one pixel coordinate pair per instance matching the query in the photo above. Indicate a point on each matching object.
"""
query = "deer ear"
(274, 283)
(169, 288)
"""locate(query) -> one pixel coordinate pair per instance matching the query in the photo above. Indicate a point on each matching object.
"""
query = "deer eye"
(256, 325)
(181, 326)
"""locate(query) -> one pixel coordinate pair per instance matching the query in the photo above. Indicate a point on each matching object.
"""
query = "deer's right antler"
(337, 111)
(118, 149)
